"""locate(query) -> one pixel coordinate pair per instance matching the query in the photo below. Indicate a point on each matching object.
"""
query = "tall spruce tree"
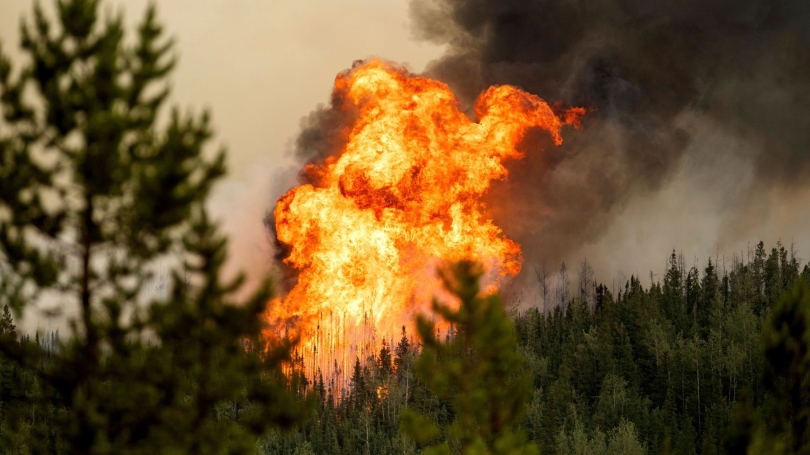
(7, 327)
(94, 191)
(786, 342)
(478, 370)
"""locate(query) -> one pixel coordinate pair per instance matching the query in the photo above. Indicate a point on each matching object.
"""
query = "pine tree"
(385, 359)
(358, 384)
(7, 327)
(786, 340)
(401, 352)
(806, 274)
(759, 267)
(672, 295)
(479, 372)
(93, 190)
(773, 278)
(692, 294)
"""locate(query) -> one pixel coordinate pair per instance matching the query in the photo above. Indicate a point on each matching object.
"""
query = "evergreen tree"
(673, 297)
(385, 359)
(478, 370)
(93, 192)
(620, 380)
(773, 277)
(759, 268)
(786, 340)
(806, 274)
(358, 383)
(692, 291)
(7, 327)
(401, 352)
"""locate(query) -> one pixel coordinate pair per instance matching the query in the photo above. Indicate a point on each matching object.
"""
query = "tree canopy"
(95, 191)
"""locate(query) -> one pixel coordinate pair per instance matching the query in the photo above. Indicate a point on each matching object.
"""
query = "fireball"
(402, 197)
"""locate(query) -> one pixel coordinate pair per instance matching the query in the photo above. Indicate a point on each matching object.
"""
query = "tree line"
(701, 362)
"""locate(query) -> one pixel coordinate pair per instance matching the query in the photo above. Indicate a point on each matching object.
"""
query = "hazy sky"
(260, 66)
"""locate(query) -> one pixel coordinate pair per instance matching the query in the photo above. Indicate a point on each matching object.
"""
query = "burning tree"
(404, 194)
(92, 192)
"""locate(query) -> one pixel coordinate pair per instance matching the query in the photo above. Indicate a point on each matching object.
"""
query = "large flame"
(403, 196)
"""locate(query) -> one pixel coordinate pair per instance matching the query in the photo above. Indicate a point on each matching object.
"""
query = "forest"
(705, 361)
(96, 188)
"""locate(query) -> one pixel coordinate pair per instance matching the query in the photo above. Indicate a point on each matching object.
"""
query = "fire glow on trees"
(402, 197)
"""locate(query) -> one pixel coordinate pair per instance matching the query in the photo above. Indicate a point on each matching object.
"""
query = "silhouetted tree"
(478, 370)
(93, 191)
(786, 340)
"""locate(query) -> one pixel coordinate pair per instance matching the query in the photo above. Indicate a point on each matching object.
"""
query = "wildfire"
(402, 197)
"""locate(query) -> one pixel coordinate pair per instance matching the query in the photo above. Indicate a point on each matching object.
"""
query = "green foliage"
(7, 327)
(478, 369)
(600, 374)
(93, 192)
(786, 342)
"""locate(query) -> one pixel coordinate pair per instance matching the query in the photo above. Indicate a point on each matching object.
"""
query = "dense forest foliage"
(676, 367)
(700, 362)
(94, 193)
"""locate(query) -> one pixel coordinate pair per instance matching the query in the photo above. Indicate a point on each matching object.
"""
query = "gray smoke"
(651, 71)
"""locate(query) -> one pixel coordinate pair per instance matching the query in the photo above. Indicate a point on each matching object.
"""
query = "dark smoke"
(648, 69)
(646, 66)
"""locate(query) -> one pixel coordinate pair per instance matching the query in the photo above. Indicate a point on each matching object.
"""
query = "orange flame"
(402, 197)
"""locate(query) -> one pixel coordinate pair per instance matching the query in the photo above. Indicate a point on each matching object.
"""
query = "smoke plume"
(647, 68)
(654, 73)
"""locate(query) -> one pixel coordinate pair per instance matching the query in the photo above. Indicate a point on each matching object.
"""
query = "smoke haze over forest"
(696, 141)
(259, 66)
(698, 138)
